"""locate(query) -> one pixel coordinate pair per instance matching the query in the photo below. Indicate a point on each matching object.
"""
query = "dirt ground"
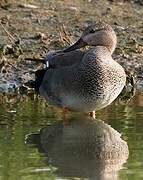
(31, 28)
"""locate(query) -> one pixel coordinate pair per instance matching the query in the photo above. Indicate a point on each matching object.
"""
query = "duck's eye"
(92, 31)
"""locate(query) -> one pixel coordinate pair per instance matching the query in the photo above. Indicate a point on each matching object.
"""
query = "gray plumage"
(85, 81)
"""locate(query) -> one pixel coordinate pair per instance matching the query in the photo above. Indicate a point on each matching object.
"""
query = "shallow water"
(79, 148)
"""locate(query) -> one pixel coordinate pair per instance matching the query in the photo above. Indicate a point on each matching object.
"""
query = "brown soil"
(32, 28)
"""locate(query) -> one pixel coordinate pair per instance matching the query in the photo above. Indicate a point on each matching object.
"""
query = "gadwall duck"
(83, 80)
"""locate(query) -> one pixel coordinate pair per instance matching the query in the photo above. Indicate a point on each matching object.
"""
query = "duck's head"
(96, 35)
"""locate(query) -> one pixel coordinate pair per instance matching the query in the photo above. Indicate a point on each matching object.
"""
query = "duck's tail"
(39, 75)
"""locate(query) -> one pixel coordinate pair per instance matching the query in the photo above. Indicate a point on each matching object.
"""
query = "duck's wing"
(59, 83)
(58, 59)
(62, 86)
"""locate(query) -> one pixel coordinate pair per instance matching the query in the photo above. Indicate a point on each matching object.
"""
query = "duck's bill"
(79, 44)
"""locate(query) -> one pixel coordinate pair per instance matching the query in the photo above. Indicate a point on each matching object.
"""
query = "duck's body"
(83, 81)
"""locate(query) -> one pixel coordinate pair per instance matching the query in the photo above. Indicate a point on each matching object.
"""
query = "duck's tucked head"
(97, 35)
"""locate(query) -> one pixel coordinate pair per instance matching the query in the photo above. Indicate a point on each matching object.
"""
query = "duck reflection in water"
(85, 148)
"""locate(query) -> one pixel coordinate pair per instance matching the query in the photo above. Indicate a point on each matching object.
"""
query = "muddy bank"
(32, 28)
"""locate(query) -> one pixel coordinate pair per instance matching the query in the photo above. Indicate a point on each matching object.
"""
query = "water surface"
(63, 151)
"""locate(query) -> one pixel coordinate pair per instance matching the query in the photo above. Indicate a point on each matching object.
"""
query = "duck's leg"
(65, 119)
(92, 114)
